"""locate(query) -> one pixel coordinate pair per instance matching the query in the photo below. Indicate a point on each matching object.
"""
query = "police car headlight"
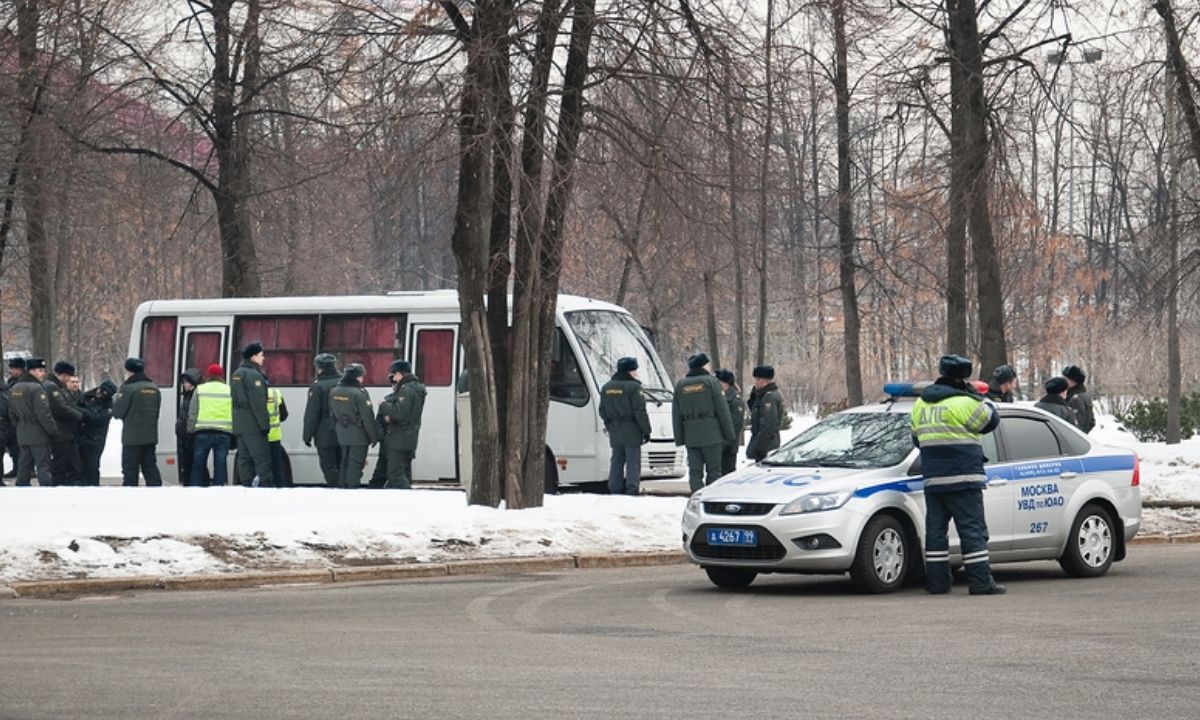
(816, 502)
(694, 504)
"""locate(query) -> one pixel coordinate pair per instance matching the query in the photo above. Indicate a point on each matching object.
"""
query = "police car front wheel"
(883, 557)
(1091, 544)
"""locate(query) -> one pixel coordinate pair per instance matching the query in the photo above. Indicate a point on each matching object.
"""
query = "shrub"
(1147, 419)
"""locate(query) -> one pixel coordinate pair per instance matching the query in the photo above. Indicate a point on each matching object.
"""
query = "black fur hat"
(1076, 373)
(766, 372)
(698, 361)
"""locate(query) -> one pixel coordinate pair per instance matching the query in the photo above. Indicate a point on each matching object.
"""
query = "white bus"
(422, 327)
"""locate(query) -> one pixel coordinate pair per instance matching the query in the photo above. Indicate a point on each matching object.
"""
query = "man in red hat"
(210, 419)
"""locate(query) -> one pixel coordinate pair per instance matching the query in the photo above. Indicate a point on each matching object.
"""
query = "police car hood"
(778, 484)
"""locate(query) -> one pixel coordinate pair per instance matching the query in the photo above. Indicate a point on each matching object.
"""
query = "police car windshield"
(849, 440)
(606, 336)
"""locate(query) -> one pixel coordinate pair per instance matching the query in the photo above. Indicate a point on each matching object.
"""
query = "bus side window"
(158, 349)
(566, 379)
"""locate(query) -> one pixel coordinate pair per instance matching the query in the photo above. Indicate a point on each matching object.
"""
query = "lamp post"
(1087, 57)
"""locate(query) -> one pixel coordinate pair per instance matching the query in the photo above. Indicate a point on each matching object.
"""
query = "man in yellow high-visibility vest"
(210, 417)
(278, 411)
(948, 422)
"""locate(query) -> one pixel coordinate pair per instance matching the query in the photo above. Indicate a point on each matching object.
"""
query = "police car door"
(1043, 477)
(997, 497)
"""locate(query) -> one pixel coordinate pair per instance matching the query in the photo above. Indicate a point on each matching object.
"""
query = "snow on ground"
(1169, 472)
(115, 532)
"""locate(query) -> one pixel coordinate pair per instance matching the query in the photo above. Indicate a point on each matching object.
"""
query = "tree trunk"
(500, 236)
(956, 225)
(1181, 75)
(735, 240)
(967, 53)
(1171, 227)
(846, 235)
(710, 315)
(760, 350)
(33, 191)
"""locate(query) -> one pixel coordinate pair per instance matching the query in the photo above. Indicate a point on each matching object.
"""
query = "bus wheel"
(551, 487)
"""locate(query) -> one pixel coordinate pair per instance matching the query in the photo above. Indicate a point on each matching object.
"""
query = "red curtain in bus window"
(280, 368)
(343, 332)
(203, 349)
(295, 333)
(380, 332)
(254, 329)
(435, 357)
(375, 363)
(158, 349)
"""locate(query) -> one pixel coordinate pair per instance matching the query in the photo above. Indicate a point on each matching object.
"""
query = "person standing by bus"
(251, 418)
(623, 410)
(400, 420)
(701, 420)
(96, 407)
(185, 440)
(278, 411)
(350, 408)
(29, 408)
(318, 425)
(737, 414)
(64, 406)
(210, 420)
(137, 404)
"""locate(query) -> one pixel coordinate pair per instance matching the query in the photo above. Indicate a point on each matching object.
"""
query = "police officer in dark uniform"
(185, 442)
(1055, 400)
(16, 368)
(701, 421)
(96, 407)
(138, 404)
(354, 422)
(64, 406)
(318, 425)
(766, 414)
(1002, 384)
(5, 422)
(623, 410)
(948, 421)
(1079, 398)
(252, 418)
(737, 414)
(29, 409)
(400, 424)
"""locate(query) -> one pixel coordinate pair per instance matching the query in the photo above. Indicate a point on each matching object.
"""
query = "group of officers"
(1066, 395)
(57, 432)
(709, 418)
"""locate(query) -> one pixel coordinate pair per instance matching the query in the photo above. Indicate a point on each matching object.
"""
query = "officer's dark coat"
(138, 403)
(353, 418)
(737, 412)
(1080, 401)
(318, 425)
(93, 431)
(766, 418)
(1055, 405)
(29, 408)
(248, 388)
(64, 406)
(700, 413)
(402, 407)
(623, 410)
(995, 394)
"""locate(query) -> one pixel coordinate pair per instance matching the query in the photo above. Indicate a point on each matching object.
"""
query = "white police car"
(846, 496)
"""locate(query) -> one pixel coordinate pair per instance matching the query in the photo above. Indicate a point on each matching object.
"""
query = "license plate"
(732, 536)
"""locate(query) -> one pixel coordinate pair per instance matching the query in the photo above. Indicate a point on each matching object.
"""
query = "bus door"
(435, 362)
(203, 346)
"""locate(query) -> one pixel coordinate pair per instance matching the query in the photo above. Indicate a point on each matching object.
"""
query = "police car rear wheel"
(882, 559)
(730, 578)
(1091, 544)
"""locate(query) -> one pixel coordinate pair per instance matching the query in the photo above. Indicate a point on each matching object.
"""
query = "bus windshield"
(606, 336)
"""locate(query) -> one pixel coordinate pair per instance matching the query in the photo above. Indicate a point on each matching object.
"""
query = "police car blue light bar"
(914, 389)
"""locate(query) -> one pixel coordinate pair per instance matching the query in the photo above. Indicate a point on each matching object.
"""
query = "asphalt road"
(635, 643)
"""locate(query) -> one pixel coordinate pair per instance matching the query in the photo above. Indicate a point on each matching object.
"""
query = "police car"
(846, 496)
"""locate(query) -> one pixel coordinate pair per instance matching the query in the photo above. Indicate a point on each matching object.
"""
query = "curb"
(64, 589)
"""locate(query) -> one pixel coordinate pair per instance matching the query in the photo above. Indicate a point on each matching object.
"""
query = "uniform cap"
(400, 366)
(354, 370)
(34, 363)
(17, 363)
(133, 365)
(251, 350)
(1004, 374)
(1056, 385)
(1076, 373)
(954, 366)
(627, 364)
(108, 387)
(62, 367)
(766, 372)
(698, 361)
(325, 360)
(726, 376)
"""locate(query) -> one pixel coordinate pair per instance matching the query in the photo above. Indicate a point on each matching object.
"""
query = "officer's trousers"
(89, 463)
(965, 507)
(31, 457)
(704, 465)
(399, 468)
(728, 459)
(135, 458)
(354, 458)
(625, 470)
(65, 463)
(330, 459)
(254, 459)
